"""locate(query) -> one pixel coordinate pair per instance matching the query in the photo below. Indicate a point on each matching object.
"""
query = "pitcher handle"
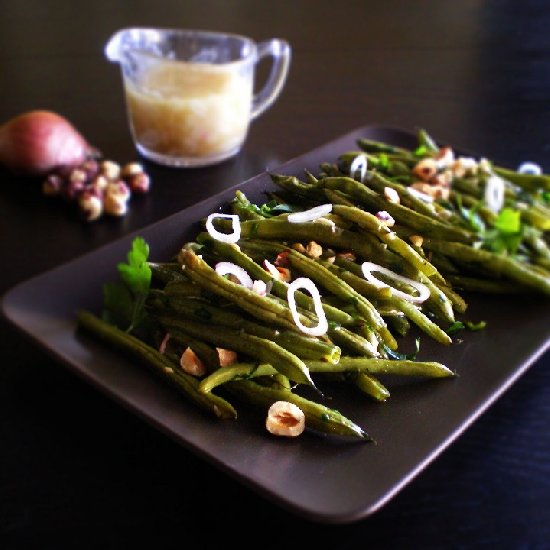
(280, 51)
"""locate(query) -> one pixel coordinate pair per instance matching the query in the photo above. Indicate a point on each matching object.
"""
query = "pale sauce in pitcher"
(189, 109)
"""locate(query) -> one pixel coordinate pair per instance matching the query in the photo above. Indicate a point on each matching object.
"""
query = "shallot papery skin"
(36, 143)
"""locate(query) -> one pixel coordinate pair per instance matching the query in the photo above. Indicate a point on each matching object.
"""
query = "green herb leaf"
(383, 161)
(124, 301)
(420, 151)
(506, 234)
(457, 326)
(393, 354)
(508, 221)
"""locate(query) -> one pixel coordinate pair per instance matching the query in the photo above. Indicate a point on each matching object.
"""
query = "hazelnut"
(78, 175)
(285, 419)
(417, 240)
(90, 167)
(425, 169)
(99, 183)
(139, 182)
(391, 195)
(314, 250)
(191, 364)
(90, 205)
(119, 188)
(226, 357)
(110, 169)
(131, 169)
(115, 205)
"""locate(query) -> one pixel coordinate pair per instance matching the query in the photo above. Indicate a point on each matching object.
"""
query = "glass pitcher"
(190, 94)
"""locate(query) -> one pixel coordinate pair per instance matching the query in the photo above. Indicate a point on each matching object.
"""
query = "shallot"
(38, 142)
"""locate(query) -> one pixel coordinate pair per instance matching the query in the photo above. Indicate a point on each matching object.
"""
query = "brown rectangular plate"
(316, 477)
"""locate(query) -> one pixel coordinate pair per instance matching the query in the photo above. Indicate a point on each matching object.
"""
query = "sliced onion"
(423, 290)
(273, 271)
(309, 285)
(164, 343)
(494, 193)
(259, 287)
(228, 268)
(419, 195)
(224, 237)
(530, 168)
(311, 214)
(359, 164)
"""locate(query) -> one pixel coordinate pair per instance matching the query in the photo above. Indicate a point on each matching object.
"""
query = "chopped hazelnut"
(191, 364)
(417, 240)
(346, 256)
(425, 169)
(314, 250)
(285, 419)
(226, 356)
(391, 195)
(299, 247)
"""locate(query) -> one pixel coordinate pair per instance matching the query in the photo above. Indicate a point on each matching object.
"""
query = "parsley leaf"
(506, 234)
(124, 300)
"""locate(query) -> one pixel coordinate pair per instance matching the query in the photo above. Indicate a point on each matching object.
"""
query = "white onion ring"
(359, 163)
(224, 237)
(229, 268)
(309, 285)
(311, 214)
(530, 168)
(494, 193)
(423, 290)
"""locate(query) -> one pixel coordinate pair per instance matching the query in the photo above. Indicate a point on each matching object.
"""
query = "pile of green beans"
(430, 243)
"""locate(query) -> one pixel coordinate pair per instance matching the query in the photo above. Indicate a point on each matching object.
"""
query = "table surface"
(76, 469)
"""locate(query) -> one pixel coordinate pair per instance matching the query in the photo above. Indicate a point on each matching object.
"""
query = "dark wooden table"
(79, 471)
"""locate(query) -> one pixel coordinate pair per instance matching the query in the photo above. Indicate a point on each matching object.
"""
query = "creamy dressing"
(190, 109)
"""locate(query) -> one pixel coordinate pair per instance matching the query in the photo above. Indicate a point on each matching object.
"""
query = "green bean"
(308, 231)
(409, 309)
(500, 266)
(260, 348)
(340, 288)
(167, 272)
(374, 146)
(486, 286)
(237, 256)
(235, 372)
(149, 356)
(260, 307)
(385, 234)
(401, 367)
(529, 182)
(369, 385)
(299, 344)
(425, 225)
(318, 417)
